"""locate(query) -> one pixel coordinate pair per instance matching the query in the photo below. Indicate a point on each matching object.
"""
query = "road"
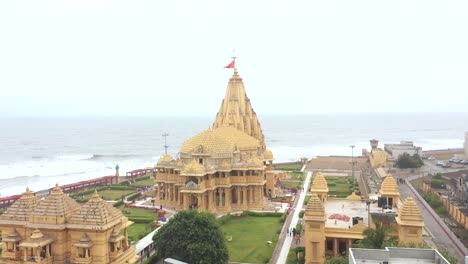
(442, 235)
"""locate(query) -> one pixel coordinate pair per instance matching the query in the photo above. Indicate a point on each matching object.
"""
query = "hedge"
(262, 214)
(133, 196)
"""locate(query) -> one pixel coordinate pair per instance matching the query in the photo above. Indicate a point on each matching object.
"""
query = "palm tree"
(379, 237)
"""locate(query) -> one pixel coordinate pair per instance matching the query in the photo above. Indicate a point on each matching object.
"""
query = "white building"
(404, 147)
(395, 256)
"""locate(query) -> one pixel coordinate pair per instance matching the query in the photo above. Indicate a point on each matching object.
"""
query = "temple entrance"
(234, 195)
(193, 201)
(390, 201)
(342, 248)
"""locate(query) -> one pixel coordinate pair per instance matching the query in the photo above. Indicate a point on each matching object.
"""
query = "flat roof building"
(392, 255)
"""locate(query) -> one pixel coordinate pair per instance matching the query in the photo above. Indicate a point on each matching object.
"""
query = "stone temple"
(57, 229)
(224, 168)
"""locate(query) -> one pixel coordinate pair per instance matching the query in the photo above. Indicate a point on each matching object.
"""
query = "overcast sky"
(97, 57)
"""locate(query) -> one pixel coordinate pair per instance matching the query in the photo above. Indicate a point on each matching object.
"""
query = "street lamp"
(352, 165)
(368, 202)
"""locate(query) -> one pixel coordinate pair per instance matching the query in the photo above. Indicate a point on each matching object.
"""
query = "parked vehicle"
(465, 162)
(440, 163)
(446, 165)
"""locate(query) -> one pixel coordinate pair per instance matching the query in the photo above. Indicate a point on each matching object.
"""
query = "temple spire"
(236, 109)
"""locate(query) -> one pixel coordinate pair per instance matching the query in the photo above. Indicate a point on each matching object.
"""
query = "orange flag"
(230, 65)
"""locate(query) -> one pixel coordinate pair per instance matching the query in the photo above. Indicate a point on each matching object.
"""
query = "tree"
(379, 237)
(192, 237)
(405, 161)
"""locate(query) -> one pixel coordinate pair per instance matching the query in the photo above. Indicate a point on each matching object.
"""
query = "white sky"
(98, 57)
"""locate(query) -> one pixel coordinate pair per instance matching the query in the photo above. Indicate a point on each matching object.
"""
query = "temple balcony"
(254, 179)
(238, 179)
(11, 254)
(161, 176)
(33, 259)
(222, 181)
(172, 178)
(83, 260)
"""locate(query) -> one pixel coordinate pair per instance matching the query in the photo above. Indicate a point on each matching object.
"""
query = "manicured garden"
(143, 221)
(340, 187)
(250, 234)
(295, 180)
(289, 167)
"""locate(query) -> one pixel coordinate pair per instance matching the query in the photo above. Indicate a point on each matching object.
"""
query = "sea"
(40, 152)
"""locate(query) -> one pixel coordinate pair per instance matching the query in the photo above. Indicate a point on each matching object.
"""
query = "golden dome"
(193, 169)
(96, 212)
(319, 184)
(268, 155)
(57, 205)
(410, 214)
(219, 140)
(389, 186)
(164, 160)
(22, 208)
(315, 209)
(353, 197)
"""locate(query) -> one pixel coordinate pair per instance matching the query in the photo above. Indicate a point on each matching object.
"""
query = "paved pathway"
(442, 235)
(288, 239)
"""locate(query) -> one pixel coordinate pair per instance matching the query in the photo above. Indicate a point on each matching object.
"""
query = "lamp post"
(352, 166)
(368, 202)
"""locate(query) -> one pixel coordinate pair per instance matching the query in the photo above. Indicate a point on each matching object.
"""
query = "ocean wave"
(111, 157)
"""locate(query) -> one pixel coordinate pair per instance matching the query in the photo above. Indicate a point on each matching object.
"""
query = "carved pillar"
(251, 192)
(244, 189)
(228, 198)
(185, 202)
(157, 192)
(238, 195)
(200, 202)
(335, 247)
(349, 244)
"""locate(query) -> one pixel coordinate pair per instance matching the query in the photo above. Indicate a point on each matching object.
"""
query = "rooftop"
(338, 208)
(395, 256)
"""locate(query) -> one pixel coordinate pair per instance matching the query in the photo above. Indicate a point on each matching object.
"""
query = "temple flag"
(230, 65)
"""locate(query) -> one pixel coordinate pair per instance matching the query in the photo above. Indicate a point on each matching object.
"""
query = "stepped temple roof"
(165, 160)
(236, 110)
(315, 209)
(55, 208)
(410, 214)
(319, 184)
(219, 140)
(96, 212)
(389, 186)
(22, 208)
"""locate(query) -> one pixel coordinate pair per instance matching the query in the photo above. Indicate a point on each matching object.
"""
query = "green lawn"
(249, 238)
(111, 194)
(339, 186)
(289, 167)
(291, 184)
(142, 218)
(148, 182)
(137, 231)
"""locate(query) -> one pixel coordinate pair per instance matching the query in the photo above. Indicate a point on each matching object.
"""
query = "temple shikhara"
(224, 168)
(57, 229)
